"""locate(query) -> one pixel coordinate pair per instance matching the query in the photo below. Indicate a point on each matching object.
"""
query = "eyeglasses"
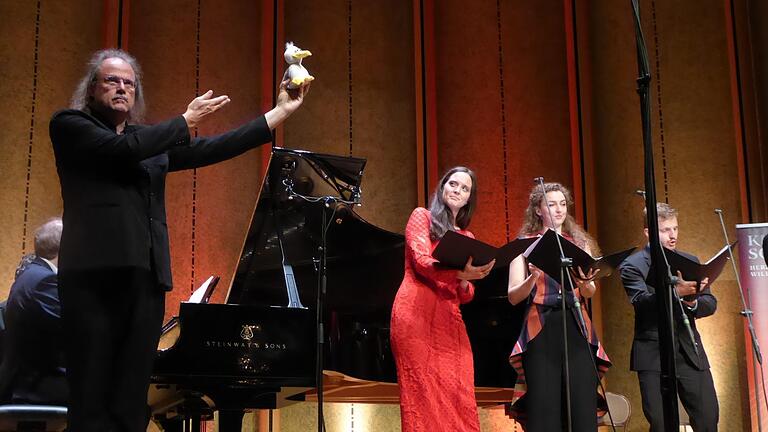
(115, 82)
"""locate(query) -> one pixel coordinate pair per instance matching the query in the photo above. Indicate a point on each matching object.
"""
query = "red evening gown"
(429, 341)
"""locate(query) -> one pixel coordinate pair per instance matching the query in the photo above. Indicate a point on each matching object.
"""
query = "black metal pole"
(659, 276)
(565, 265)
(321, 286)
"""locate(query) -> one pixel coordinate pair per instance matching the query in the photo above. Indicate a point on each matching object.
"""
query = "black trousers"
(695, 389)
(112, 322)
(544, 367)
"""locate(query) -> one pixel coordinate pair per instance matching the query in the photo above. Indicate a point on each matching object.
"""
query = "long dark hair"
(442, 217)
(533, 224)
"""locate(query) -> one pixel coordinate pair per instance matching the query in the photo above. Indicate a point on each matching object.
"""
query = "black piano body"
(258, 350)
(213, 366)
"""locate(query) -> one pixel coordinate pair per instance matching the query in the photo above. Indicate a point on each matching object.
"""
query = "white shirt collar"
(52, 265)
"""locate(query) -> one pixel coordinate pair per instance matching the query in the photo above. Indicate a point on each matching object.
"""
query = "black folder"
(455, 249)
(693, 271)
(545, 254)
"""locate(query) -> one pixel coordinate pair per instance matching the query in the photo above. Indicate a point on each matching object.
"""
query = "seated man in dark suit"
(694, 379)
(33, 367)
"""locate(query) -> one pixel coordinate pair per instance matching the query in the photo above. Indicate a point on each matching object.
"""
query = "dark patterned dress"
(544, 301)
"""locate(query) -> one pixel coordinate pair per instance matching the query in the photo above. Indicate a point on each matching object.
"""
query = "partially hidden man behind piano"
(32, 370)
(115, 260)
(694, 379)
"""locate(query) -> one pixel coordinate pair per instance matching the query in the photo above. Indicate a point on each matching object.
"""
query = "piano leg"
(231, 420)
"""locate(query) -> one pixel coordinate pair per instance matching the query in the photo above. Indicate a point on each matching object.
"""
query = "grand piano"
(258, 350)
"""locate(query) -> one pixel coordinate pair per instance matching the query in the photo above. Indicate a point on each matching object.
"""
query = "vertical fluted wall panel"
(502, 108)
(502, 103)
(695, 161)
(187, 48)
(43, 49)
(362, 103)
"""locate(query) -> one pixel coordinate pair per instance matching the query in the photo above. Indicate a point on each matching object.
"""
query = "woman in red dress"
(429, 341)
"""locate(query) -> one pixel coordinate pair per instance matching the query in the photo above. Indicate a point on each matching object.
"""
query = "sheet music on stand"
(205, 291)
(316, 177)
(544, 253)
(170, 330)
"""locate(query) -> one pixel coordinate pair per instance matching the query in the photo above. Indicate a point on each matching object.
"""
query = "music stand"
(340, 178)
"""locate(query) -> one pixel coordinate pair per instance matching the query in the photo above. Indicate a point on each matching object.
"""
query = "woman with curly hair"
(538, 356)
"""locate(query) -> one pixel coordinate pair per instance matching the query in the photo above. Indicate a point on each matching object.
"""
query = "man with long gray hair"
(115, 259)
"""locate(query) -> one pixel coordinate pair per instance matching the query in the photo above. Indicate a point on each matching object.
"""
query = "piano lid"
(316, 175)
(277, 266)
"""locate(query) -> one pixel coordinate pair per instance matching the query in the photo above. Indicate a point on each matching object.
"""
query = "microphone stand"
(321, 289)
(565, 265)
(672, 283)
(664, 291)
(321, 263)
(747, 313)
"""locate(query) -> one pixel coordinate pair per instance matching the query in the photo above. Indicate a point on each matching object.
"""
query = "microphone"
(640, 192)
(719, 211)
(538, 180)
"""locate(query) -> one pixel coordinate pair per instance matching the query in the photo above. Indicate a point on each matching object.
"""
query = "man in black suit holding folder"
(114, 260)
(695, 386)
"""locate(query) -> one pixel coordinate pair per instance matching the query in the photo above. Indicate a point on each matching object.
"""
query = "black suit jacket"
(113, 186)
(642, 295)
(33, 359)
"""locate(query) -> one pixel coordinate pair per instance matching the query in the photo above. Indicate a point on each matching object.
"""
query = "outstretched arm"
(204, 151)
(203, 106)
(288, 101)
